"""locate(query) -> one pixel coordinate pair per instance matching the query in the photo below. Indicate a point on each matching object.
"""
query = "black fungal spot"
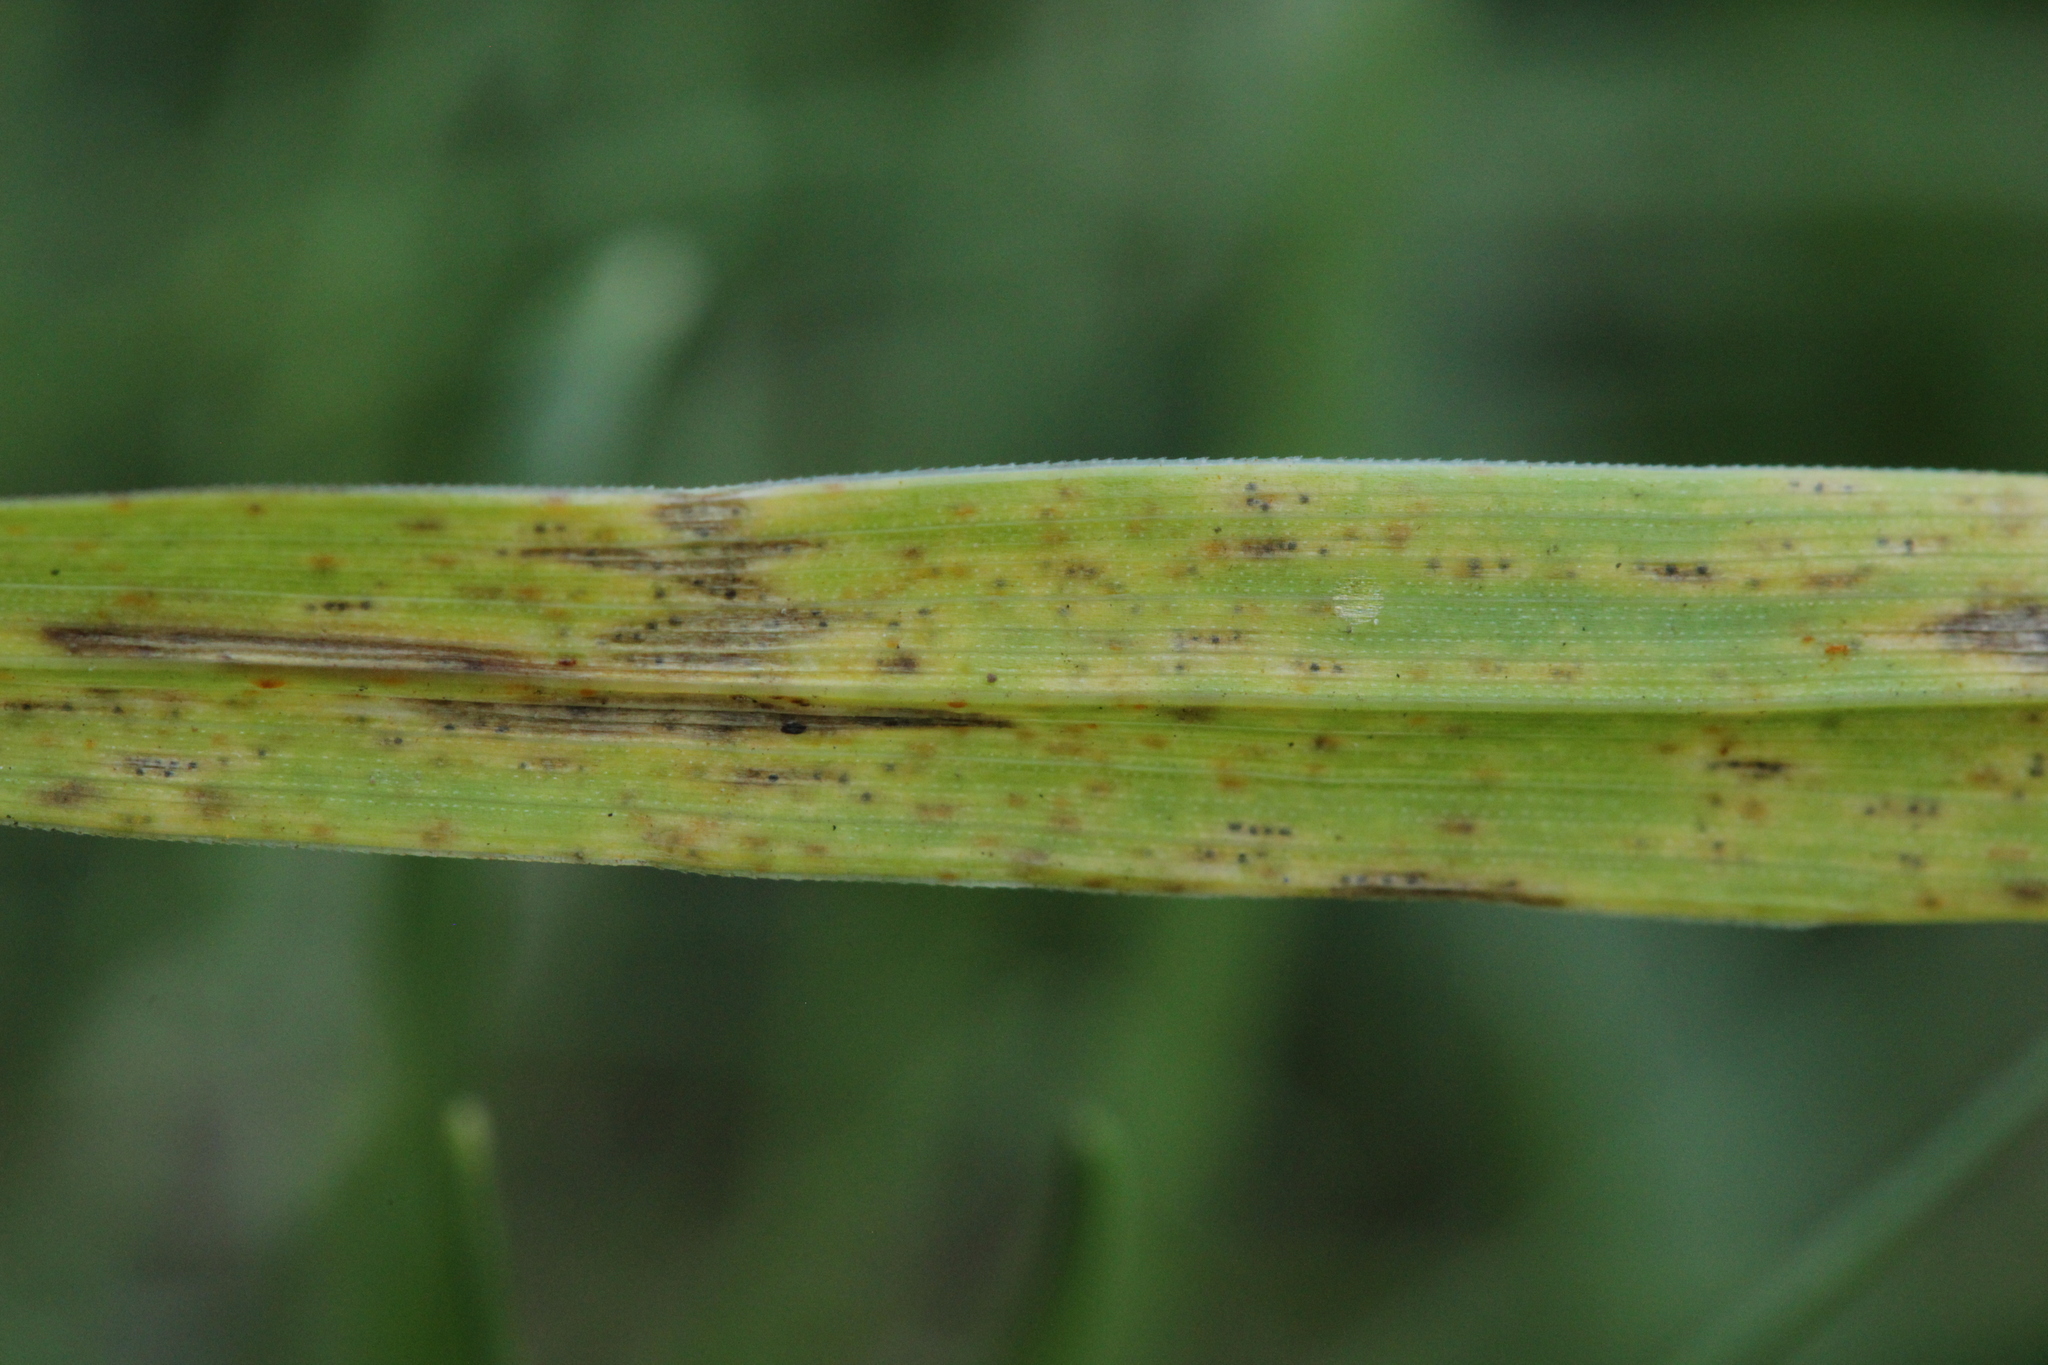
(1677, 573)
(150, 766)
(794, 727)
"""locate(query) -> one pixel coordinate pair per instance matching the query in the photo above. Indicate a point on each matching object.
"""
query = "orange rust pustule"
(308, 651)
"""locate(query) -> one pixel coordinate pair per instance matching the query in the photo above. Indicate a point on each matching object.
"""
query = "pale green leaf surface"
(1777, 694)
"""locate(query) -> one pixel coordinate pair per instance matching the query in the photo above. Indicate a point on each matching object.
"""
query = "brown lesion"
(1678, 571)
(211, 803)
(702, 516)
(1756, 769)
(155, 765)
(699, 717)
(723, 637)
(2018, 629)
(1419, 885)
(1836, 582)
(72, 793)
(277, 650)
(722, 569)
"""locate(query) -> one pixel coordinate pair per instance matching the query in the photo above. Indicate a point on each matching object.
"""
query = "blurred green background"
(699, 241)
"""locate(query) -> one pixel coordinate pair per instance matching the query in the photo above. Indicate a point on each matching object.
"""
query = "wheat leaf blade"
(1776, 694)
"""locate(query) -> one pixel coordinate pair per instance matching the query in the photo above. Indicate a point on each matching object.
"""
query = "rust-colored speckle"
(897, 663)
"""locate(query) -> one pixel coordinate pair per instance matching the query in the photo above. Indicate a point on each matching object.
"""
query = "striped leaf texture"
(1764, 694)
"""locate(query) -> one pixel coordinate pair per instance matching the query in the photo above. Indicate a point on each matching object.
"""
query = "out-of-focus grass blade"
(1785, 694)
(1090, 1241)
(1776, 1316)
(476, 1233)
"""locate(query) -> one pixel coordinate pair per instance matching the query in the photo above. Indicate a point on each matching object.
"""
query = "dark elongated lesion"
(265, 648)
(1420, 885)
(2019, 628)
(722, 637)
(700, 515)
(721, 569)
(699, 717)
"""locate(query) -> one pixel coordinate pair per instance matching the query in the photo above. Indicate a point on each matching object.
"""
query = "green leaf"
(1770, 694)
